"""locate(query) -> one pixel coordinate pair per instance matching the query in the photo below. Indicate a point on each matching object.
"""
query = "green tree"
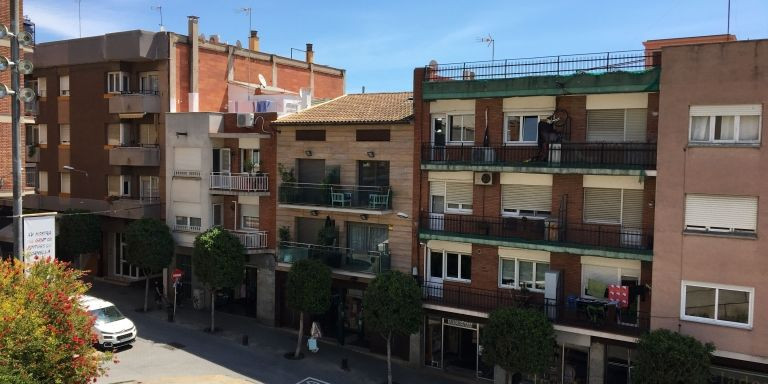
(218, 260)
(308, 290)
(45, 335)
(392, 305)
(519, 340)
(664, 356)
(79, 233)
(150, 248)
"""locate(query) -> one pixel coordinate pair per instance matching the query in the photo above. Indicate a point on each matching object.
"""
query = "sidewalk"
(365, 367)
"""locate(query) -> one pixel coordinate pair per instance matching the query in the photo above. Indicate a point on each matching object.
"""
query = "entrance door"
(311, 174)
(438, 138)
(460, 349)
(437, 212)
(251, 277)
(434, 286)
(122, 267)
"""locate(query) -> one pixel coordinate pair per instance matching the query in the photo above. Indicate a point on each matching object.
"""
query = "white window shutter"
(527, 197)
(459, 193)
(636, 124)
(602, 205)
(632, 208)
(713, 212)
(605, 125)
(437, 188)
(725, 110)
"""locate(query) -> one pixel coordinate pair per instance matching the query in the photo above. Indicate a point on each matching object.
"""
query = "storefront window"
(618, 364)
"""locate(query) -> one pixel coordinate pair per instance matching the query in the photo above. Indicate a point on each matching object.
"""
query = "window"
(250, 222)
(526, 200)
(451, 197)
(373, 173)
(249, 216)
(149, 83)
(64, 133)
(64, 85)
(42, 87)
(616, 125)
(149, 188)
(65, 186)
(516, 273)
(119, 185)
(717, 304)
(614, 206)
(185, 223)
(117, 134)
(462, 128)
(32, 134)
(372, 135)
(117, 82)
(42, 179)
(310, 134)
(30, 176)
(725, 124)
(712, 213)
(596, 276)
(250, 160)
(522, 128)
(42, 134)
(148, 135)
(218, 215)
(458, 266)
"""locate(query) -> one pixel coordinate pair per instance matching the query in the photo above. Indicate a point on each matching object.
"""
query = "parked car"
(111, 327)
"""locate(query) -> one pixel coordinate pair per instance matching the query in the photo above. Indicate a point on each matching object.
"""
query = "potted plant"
(288, 189)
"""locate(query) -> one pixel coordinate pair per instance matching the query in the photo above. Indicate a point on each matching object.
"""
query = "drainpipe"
(194, 96)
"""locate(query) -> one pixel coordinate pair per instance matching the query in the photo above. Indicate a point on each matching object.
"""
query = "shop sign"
(39, 237)
(460, 323)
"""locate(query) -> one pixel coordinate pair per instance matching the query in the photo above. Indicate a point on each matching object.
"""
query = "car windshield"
(107, 314)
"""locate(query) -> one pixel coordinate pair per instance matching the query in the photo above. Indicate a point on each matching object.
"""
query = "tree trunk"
(301, 334)
(389, 358)
(213, 307)
(146, 291)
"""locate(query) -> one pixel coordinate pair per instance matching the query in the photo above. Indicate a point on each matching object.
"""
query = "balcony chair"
(341, 199)
(376, 201)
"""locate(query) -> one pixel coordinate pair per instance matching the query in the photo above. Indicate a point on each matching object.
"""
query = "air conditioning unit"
(245, 119)
(483, 178)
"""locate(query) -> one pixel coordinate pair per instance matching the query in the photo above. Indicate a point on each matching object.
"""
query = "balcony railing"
(368, 197)
(186, 173)
(594, 63)
(135, 103)
(592, 314)
(140, 156)
(239, 182)
(551, 231)
(187, 228)
(601, 155)
(347, 259)
(251, 239)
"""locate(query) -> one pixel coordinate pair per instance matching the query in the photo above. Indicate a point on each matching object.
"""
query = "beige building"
(345, 191)
(709, 264)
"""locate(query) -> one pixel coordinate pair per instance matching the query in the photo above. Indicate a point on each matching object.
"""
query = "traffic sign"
(177, 273)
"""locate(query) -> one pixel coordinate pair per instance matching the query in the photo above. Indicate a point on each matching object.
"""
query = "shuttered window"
(614, 206)
(616, 125)
(526, 200)
(725, 124)
(458, 196)
(721, 213)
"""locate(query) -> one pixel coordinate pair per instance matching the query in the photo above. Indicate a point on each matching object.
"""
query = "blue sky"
(380, 42)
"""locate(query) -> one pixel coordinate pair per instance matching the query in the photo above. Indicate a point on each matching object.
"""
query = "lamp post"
(73, 169)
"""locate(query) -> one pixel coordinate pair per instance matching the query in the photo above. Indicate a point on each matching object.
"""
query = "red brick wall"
(576, 106)
(570, 265)
(328, 86)
(182, 78)
(485, 266)
(293, 78)
(248, 70)
(652, 128)
(649, 203)
(212, 80)
(573, 186)
(486, 199)
(495, 120)
(6, 153)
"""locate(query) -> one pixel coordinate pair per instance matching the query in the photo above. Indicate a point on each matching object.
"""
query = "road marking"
(312, 380)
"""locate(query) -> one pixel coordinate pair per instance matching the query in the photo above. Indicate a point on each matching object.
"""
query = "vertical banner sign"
(39, 237)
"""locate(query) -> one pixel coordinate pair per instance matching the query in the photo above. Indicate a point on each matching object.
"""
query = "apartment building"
(101, 129)
(709, 253)
(535, 186)
(346, 174)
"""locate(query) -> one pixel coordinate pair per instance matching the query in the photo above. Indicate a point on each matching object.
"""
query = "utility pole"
(16, 134)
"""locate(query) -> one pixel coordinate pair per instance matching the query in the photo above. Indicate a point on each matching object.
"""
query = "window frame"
(118, 82)
(717, 287)
(459, 277)
(712, 118)
(449, 124)
(62, 176)
(519, 284)
(621, 221)
(532, 214)
(522, 115)
(64, 80)
(621, 271)
(719, 230)
(68, 141)
(147, 76)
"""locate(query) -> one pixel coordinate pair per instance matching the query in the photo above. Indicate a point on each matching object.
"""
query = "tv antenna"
(159, 9)
(79, 19)
(249, 11)
(491, 43)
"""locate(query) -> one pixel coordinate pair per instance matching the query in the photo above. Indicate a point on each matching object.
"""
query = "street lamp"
(73, 169)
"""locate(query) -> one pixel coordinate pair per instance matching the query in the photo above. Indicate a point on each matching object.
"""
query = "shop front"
(454, 345)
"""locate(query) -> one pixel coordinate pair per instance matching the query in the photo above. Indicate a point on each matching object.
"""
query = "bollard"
(245, 340)
(170, 314)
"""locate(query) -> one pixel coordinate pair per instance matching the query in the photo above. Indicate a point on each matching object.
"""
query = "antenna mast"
(728, 28)
(491, 43)
(249, 11)
(160, 10)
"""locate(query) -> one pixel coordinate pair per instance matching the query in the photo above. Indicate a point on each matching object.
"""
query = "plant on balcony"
(308, 290)
(519, 340)
(218, 260)
(286, 174)
(392, 305)
(664, 356)
(288, 190)
(252, 166)
(31, 150)
(149, 247)
(79, 233)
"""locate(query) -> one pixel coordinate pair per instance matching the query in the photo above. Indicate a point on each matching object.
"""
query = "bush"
(664, 356)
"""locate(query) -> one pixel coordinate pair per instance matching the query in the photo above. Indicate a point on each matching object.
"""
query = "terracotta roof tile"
(356, 109)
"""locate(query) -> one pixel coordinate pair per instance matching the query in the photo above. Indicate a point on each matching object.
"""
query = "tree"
(218, 260)
(149, 247)
(519, 340)
(664, 356)
(308, 290)
(45, 335)
(79, 233)
(392, 305)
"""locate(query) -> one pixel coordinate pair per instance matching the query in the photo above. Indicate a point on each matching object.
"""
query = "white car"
(111, 327)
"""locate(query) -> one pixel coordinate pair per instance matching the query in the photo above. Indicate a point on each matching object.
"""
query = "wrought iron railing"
(251, 239)
(368, 197)
(593, 63)
(187, 228)
(587, 313)
(347, 259)
(244, 182)
(620, 155)
(550, 231)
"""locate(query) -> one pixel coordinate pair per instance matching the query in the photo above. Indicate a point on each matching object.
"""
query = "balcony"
(621, 156)
(583, 313)
(342, 198)
(187, 228)
(345, 259)
(551, 235)
(135, 156)
(627, 71)
(251, 239)
(187, 173)
(33, 153)
(135, 104)
(239, 183)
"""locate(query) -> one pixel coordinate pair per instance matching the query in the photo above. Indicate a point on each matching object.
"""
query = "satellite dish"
(25, 66)
(25, 38)
(262, 80)
(26, 94)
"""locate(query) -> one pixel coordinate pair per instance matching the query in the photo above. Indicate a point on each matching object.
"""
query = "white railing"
(240, 182)
(187, 228)
(186, 173)
(252, 239)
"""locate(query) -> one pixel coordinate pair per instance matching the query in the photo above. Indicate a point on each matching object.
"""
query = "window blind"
(458, 193)
(527, 197)
(602, 205)
(632, 208)
(636, 120)
(605, 125)
(724, 213)
(437, 188)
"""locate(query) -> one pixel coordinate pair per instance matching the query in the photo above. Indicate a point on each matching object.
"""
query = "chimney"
(194, 42)
(253, 41)
(310, 54)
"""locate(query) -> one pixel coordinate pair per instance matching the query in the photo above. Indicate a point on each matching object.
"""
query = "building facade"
(535, 186)
(346, 171)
